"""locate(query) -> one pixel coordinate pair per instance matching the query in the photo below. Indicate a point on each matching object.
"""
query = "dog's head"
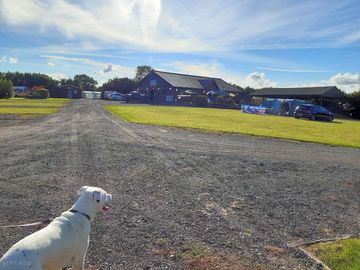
(98, 196)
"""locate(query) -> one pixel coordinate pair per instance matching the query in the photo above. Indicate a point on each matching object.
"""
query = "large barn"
(164, 87)
(326, 95)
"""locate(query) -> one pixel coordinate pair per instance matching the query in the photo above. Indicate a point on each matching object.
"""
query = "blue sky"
(252, 43)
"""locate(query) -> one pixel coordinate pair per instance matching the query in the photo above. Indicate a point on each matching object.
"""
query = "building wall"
(66, 92)
(159, 90)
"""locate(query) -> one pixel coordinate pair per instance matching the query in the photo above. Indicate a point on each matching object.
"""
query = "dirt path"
(246, 198)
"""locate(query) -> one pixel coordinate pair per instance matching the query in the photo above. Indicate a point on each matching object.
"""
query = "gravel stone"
(180, 185)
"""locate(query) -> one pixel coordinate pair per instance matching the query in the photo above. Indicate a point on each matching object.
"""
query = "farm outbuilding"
(326, 95)
(20, 90)
(66, 91)
(164, 87)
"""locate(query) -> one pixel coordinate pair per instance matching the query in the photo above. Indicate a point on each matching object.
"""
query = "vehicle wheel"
(330, 118)
(313, 117)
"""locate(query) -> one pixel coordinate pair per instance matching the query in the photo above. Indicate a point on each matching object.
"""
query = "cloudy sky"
(248, 42)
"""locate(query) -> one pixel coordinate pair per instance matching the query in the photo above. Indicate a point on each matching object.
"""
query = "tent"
(278, 106)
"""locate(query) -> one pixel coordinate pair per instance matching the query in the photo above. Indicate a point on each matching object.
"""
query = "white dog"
(64, 241)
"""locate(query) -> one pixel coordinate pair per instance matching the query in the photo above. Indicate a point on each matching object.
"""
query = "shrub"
(41, 94)
(218, 102)
(6, 89)
(200, 101)
(229, 103)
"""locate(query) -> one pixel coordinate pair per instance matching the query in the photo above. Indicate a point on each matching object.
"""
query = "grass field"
(31, 107)
(339, 132)
(22, 102)
(339, 255)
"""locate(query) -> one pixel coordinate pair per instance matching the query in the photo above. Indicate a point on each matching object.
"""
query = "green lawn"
(22, 102)
(24, 111)
(339, 255)
(31, 107)
(339, 132)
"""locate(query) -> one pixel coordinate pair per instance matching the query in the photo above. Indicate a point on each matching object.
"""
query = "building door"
(69, 94)
(151, 95)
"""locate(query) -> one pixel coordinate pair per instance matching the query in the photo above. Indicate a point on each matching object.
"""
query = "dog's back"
(48, 246)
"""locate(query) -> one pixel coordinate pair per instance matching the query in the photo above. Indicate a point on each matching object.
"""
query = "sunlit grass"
(31, 107)
(22, 102)
(23, 111)
(339, 132)
(339, 255)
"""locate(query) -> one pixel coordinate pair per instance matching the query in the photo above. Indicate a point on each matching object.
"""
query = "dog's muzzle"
(106, 207)
(107, 204)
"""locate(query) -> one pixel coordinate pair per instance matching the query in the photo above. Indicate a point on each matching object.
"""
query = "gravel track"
(246, 198)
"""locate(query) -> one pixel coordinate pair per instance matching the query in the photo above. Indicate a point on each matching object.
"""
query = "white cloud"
(13, 60)
(85, 61)
(108, 68)
(201, 69)
(101, 71)
(57, 76)
(346, 79)
(347, 82)
(51, 64)
(294, 70)
(9, 59)
(212, 69)
(352, 37)
(204, 25)
(257, 80)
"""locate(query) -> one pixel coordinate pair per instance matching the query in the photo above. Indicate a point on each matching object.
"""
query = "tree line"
(83, 81)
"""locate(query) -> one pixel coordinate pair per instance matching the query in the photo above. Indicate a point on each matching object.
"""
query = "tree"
(121, 85)
(30, 79)
(67, 81)
(141, 72)
(85, 82)
(6, 89)
(354, 98)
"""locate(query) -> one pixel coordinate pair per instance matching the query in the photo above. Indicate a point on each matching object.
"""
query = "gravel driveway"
(240, 201)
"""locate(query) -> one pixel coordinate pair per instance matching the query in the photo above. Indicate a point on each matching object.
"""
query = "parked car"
(116, 97)
(313, 112)
(107, 94)
(136, 97)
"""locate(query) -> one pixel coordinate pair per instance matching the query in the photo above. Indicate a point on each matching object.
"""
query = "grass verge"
(22, 102)
(339, 132)
(31, 108)
(339, 255)
(24, 111)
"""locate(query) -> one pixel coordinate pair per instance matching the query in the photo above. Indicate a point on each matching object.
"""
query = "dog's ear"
(81, 190)
(96, 196)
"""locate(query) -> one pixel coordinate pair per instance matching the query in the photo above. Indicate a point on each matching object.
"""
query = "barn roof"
(193, 81)
(300, 92)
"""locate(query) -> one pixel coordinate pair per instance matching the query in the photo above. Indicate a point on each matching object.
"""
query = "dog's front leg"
(79, 262)
(79, 265)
